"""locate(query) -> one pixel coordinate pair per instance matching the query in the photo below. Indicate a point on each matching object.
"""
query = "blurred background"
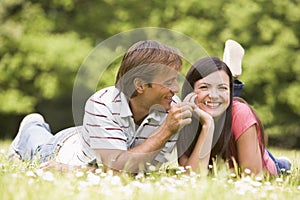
(44, 42)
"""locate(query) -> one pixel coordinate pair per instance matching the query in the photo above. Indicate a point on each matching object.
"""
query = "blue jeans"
(282, 165)
(37, 142)
(237, 88)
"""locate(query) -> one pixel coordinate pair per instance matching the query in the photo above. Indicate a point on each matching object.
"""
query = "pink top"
(242, 119)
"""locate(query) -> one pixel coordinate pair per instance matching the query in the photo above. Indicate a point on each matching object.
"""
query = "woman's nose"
(213, 93)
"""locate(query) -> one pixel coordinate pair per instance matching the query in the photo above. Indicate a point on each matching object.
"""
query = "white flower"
(139, 176)
(98, 171)
(233, 175)
(48, 176)
(30, 174)
(127, 190)
(256, 183)
(82, 184)
(39, 172)
(279, 180)
(93, 179)
(152, 168)
(79, 174)
(115, 180)
(258, 178)
(247, 171)
(30, 181)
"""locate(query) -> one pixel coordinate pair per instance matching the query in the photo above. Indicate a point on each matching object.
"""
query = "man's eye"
(168, 83)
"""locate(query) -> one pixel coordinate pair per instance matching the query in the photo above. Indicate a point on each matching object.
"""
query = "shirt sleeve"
(103, 129)
(242, 118)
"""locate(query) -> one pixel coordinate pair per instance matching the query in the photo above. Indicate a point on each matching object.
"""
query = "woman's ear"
(139, 85)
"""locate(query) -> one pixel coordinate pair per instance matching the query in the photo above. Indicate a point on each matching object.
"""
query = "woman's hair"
(199, 70)
(144, 60)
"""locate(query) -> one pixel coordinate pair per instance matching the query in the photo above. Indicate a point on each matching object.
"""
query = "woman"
(223, 126)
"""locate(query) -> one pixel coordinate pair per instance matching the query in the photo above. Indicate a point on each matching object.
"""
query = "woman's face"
(213, 93)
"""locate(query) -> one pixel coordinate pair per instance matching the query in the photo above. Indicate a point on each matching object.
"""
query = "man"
(125, 127)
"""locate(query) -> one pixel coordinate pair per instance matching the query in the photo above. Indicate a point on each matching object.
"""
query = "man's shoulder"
(108, 97)
(108, 93)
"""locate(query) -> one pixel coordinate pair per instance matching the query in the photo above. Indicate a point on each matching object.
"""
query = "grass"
(26, 181)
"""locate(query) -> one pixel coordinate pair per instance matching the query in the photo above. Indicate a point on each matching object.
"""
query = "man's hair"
(144, 60)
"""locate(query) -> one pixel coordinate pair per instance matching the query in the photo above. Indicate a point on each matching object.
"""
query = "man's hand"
(179, 116)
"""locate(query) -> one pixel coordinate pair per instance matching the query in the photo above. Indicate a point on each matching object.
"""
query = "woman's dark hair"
(199, 70)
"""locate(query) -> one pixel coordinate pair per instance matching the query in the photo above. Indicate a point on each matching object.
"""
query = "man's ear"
(139, 85)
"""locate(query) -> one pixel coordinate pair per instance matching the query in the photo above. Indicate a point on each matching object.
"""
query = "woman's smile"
(213, 93)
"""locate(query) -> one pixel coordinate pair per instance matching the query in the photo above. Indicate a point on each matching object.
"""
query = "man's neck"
(138, 111)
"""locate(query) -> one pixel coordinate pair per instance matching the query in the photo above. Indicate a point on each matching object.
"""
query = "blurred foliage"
(43, 43)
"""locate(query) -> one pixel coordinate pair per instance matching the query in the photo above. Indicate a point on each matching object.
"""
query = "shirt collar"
(124, 105)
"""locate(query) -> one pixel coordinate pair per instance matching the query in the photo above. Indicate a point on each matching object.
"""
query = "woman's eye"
(223, 88)
(202, 87)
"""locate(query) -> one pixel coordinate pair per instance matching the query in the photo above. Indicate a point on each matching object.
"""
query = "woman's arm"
(248, 151)
(199, 158)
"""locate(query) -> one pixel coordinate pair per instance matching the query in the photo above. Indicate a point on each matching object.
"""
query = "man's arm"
(135, 159)
(61, 167)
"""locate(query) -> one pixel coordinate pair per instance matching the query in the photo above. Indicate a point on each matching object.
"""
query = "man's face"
(163, 87)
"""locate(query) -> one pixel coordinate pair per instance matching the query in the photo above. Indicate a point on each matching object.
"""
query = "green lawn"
(25, 181)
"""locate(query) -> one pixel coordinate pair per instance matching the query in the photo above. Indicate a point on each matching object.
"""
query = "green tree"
(42, 44)
(37, 63)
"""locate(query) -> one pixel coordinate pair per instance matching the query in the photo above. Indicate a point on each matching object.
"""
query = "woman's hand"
(199, 158)
(203, 116)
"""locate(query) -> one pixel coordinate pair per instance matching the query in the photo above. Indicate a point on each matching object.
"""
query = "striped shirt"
(108, 124)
